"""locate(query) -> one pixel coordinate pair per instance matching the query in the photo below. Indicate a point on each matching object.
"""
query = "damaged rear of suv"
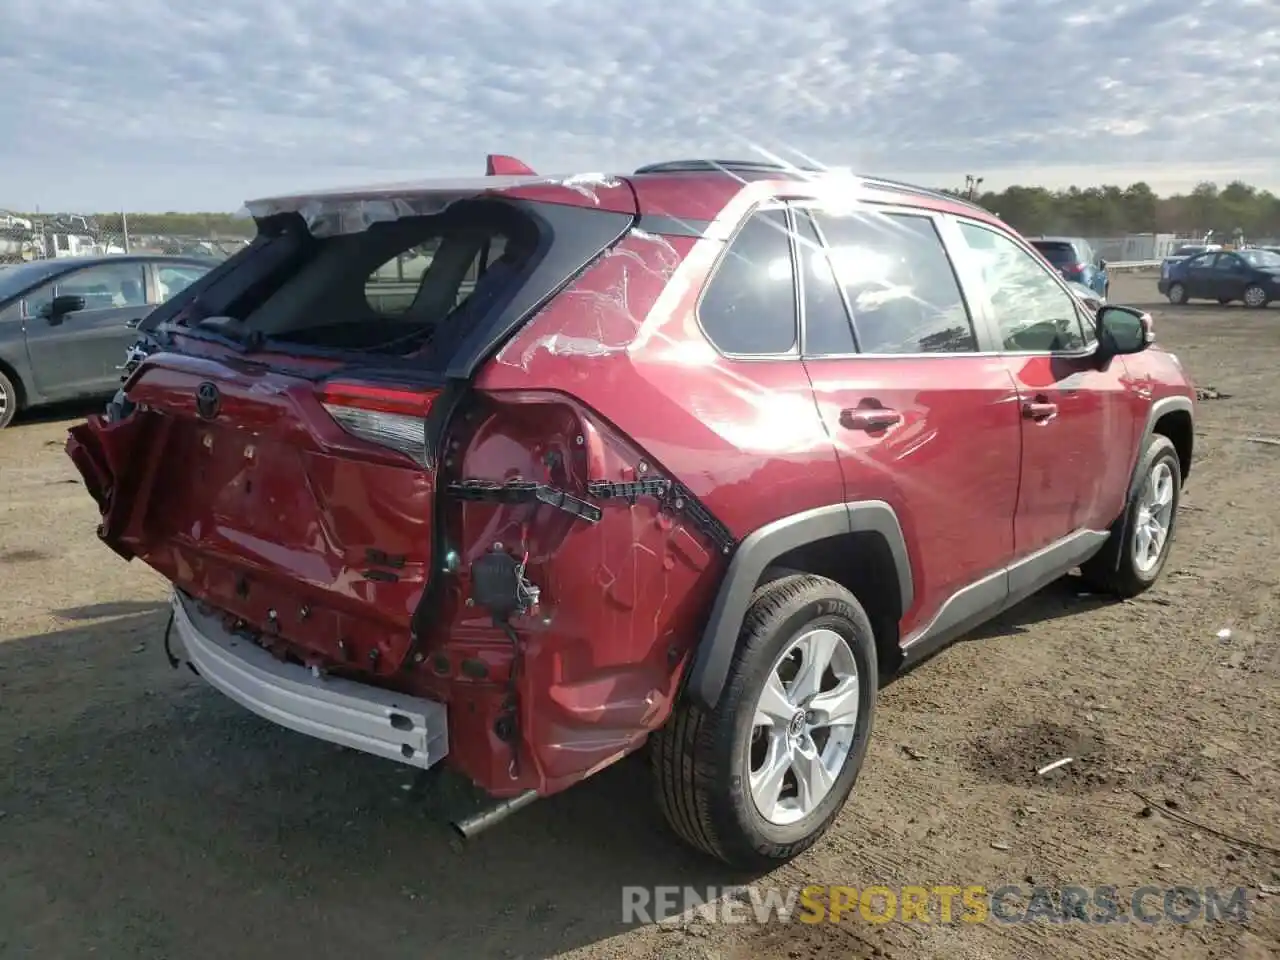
(515, 472)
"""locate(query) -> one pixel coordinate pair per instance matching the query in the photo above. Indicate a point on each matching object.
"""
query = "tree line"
(1107, 211)
(1238, 209)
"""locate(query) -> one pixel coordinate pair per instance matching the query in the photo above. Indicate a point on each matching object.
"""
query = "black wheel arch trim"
(710, 668)
(1159, 409)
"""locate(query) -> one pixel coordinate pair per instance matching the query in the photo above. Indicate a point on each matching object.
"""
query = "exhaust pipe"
(469, 827)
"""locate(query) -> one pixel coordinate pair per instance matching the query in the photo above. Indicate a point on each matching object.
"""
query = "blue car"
(1075, 260)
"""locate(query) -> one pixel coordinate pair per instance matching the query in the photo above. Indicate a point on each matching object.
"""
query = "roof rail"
(903, 187)
(726, 166)
(764, 167)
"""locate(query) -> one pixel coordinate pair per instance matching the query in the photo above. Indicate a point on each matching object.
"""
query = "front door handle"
(1039, 410)
(869, 418)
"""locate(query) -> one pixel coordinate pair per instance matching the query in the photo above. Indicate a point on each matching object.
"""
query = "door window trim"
(972, 279)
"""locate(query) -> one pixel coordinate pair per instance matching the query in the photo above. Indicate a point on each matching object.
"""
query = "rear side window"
(172, 279)
(898, 282)
(1059, 254)
(749, 307)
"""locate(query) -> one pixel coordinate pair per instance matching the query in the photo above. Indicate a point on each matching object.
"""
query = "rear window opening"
(413, 287)
(1056, 253)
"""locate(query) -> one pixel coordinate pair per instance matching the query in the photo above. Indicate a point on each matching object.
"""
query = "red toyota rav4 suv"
(522, 472)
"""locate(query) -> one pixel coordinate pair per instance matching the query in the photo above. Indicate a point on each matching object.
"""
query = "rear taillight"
(1074, 268)
(393, 417)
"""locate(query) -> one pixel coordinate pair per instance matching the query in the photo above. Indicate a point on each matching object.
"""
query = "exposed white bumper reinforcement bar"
(411, 730)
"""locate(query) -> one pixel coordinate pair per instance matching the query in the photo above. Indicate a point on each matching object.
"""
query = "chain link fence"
(26, 237)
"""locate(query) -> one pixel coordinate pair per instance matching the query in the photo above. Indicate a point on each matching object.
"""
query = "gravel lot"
(144, 815)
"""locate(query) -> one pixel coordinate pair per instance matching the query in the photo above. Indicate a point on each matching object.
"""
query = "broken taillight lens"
(393, 417)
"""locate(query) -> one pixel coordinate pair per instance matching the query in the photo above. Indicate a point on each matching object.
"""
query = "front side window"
(899, 283)
(1032, 310)
(104, 286)
(749, 307)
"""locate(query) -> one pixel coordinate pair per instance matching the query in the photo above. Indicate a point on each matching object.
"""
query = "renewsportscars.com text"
(974, 903)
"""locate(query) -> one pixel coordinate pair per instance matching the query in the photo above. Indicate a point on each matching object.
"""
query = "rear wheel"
(1177, 293)
(760, 779)
(1255, 296)
(1131, 560)
(8, 400)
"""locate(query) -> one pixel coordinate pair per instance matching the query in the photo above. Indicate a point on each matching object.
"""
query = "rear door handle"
(869, 418)
(1039, 410)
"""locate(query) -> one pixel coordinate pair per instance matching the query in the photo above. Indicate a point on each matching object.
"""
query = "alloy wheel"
(804, 725)
(1155, 517)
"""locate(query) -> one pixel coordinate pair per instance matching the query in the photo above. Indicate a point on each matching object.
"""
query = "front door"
(921, 418)
(1076, 418)
(79, 354)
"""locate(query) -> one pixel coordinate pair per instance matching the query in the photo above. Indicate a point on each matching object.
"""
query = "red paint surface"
(612, 381)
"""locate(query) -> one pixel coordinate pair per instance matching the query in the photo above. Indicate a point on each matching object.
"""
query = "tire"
(1115, 569)
(1177, 293)
(702, 762)
(1256, 297)
(8, 400)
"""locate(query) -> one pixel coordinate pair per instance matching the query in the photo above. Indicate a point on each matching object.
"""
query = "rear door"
(923, 416)
(1228, 278)
(1076, 418)
(80, 353)
(1199, 277)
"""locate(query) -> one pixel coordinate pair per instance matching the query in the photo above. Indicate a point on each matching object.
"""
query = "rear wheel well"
(863, 564)
(19, 388)
(1177, 426)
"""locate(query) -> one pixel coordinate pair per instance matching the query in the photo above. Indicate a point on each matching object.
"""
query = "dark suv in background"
(66, 323)
(690, 455)
(1076, 260)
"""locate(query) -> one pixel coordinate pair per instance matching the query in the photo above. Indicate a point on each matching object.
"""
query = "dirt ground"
(144, 815)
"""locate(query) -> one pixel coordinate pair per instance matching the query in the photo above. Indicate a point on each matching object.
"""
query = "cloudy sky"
(170, 104)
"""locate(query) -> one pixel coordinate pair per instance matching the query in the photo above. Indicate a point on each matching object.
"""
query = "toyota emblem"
(208, 400)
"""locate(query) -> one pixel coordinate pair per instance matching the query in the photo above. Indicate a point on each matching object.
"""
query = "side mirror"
(1124, 330)
(1102, 264)
(59, 307)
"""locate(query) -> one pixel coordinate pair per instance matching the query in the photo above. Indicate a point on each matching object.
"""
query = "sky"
(147, 105)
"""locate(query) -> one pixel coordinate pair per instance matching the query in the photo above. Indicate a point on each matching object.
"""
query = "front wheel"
(1177, 293)
(8, 401)
(760, 779)
(1132, 558)
(1255, 297)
